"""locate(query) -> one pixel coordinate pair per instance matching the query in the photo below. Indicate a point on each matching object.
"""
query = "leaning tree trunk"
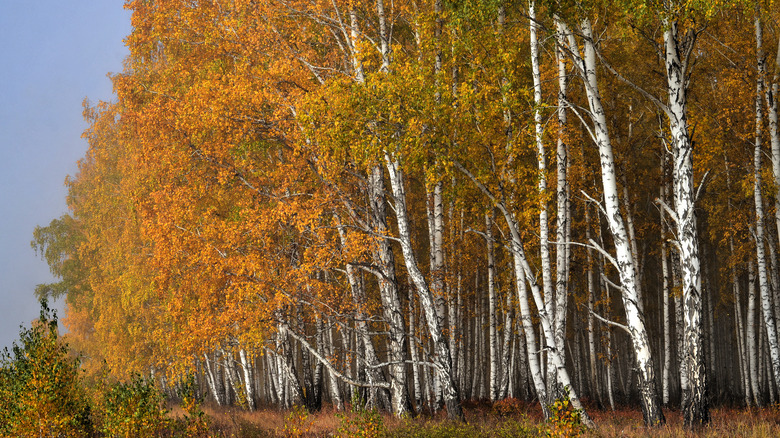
(624, 260)
(523, 268)
(388, 291)
(370, 360)
(442, 352)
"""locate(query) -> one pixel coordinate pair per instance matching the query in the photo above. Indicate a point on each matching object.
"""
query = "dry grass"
(725, 422)
(484, 421)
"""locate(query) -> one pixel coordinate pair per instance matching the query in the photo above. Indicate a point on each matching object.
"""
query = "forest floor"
(482, 420)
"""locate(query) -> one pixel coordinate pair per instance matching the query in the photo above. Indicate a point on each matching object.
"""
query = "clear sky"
(53, 54)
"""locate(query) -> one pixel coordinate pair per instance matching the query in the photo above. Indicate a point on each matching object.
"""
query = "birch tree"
(585, 63)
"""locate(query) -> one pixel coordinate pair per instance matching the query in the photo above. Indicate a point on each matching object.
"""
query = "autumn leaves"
(299, 190)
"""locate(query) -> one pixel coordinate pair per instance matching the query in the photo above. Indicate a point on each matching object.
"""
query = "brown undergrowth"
(502, 420)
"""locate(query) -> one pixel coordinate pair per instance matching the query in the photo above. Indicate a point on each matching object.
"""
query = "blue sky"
(53, 55)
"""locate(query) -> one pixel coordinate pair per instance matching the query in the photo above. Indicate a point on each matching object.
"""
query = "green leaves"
(40, 391)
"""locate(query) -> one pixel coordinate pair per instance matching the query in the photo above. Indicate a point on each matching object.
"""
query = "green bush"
(564, 421)
(40, 388)
(133, 409)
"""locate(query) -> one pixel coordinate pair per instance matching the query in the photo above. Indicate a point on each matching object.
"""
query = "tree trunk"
(751, 336)
(248, 380)
(541, 158)
(442, 351)
(766, 298)
(694, 400)
(563, 223)
(388, 290)
(492, 309)
(594, 384)
(624, 260)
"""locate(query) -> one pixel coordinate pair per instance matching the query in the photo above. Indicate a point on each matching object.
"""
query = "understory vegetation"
(43, 393)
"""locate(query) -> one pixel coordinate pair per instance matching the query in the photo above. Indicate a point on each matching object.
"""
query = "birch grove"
(409, 205)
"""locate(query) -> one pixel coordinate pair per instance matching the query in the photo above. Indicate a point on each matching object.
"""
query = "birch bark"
(751, 335)
(624, 260)
(544, 246)
(492, 309)
(388, 290)
(764, 288)
(249, 387)
(563, 214)
(695, 407)
(442, 352)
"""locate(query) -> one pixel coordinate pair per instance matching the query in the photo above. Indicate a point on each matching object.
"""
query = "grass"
(482, 420)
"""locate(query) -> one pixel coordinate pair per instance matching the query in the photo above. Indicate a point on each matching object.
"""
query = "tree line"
(426, 202)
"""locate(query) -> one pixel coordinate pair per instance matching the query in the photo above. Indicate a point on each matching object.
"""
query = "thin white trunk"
(751, 335)
(418, 393)
(594, 386)
(628, 207)
(544, 246)
(740, 332)
(376, 397)
(492, 309)
(248, 380)
(335, 391)
(665, 291)
(563, 225)
(695, 407)
(506, 358)
(624, 259)
(212, 381)
(426, 297)
(763, 280)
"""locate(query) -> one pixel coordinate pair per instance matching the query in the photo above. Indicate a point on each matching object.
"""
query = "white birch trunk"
(740, 331)
(506, 357)
(418, 393)
(492, 309)
(530, 336)
(695, 407)
(544, 246)
(766, 298)
(594, 386)
(624, 258)
(442, 351)
(376, 397)
(563, 225)
(751, 336)
(212, 381)
(388, 291)
(666, 313)
(335, 390)
(248, 380)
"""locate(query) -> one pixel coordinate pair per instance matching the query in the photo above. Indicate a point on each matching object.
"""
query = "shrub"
(297, 423)
(40, 388)
(195, 423)
(564, 421)
(133, 409)
(508, 407)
